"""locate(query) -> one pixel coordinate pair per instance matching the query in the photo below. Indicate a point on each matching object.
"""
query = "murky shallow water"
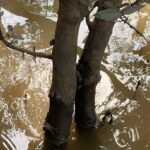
(25, 82)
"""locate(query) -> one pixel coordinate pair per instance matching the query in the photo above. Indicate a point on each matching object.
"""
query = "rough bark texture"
(64, 83)
(88, 72)
(62, 93)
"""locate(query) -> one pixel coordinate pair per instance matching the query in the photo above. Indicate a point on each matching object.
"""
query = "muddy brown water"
(25, 83)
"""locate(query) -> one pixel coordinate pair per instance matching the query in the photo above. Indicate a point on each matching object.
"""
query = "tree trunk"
(88, 71)
(62, 93)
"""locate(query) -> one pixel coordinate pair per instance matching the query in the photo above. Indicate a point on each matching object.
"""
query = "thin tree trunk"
(88, 71)
(62, 93)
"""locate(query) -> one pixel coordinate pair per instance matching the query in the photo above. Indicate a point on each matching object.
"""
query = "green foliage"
(108, 14)
(112, 12)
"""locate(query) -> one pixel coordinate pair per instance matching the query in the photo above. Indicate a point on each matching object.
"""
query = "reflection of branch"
(32, 53)
(118, 86)
(137, 2)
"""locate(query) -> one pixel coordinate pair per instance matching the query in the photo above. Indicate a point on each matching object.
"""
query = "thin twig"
(137, 2)
(23, 50)
(125, 20)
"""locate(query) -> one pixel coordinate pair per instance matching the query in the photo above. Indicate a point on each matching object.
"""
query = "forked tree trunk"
(64, 84)
(62, 93)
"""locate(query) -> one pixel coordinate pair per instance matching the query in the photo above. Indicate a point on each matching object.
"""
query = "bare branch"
(137, 2)
(23, 50)
(125, 20)
(88, 22)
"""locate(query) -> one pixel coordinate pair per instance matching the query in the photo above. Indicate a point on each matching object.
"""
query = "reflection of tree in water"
(35, 29)
(42, 7)
(131, 69)
(31, 1)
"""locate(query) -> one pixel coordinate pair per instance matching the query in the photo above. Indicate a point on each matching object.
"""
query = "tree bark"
(63, 89)
(88, 71)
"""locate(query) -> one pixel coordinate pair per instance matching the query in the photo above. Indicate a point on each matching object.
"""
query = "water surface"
(25, 82)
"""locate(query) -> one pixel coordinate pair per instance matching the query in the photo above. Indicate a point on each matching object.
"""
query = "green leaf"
(108, 14)
(131, 9)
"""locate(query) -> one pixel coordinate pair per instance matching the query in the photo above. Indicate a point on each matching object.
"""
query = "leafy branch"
(112, 12)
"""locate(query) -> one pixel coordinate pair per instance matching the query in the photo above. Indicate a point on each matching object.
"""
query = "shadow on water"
(25, 83)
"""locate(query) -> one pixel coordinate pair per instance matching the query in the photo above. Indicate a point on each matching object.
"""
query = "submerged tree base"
(50, 138)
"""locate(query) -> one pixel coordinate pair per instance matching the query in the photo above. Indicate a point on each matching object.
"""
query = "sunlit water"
(25, 82)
